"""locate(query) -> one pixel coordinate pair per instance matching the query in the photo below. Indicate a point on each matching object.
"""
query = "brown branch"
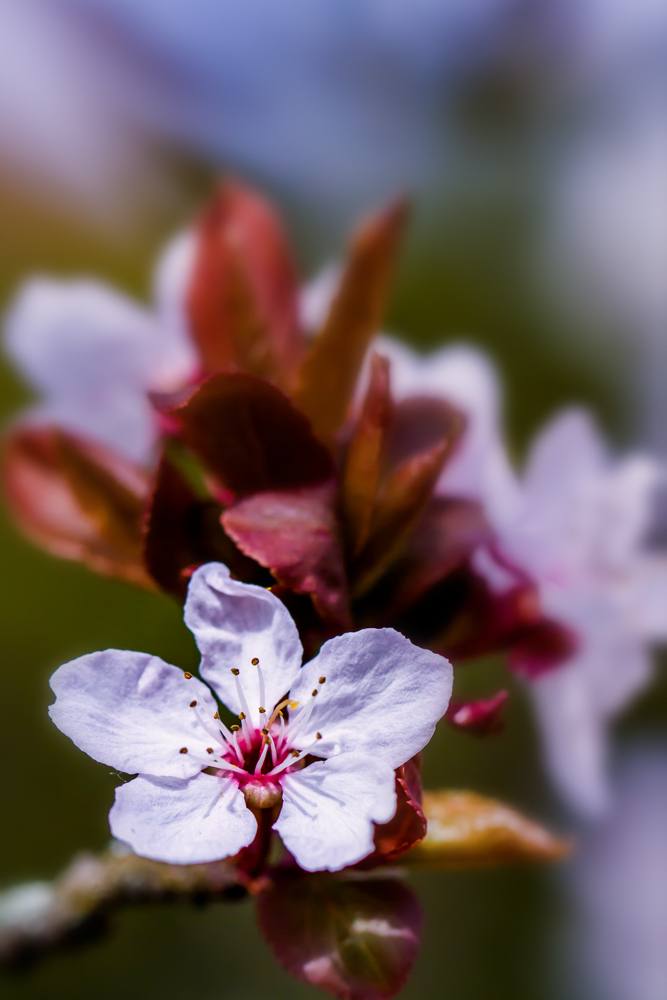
(39, 917)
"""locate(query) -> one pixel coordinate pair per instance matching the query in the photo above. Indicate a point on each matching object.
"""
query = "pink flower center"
(256, 758)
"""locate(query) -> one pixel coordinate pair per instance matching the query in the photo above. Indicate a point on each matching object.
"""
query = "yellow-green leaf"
(466, 830)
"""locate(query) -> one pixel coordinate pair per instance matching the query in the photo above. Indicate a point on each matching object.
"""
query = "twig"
(39, 917)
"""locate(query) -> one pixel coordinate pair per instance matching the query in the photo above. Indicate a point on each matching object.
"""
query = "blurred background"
(532, 137)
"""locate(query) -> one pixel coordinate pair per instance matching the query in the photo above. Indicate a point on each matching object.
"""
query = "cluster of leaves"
(287, 459)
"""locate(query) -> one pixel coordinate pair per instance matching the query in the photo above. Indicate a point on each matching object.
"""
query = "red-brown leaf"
(294, 534)
(331, 367)
(250, 436)
(77, 500)
(445, 536)
(356, 939)
(242, 302)
(396, 514)
(182, 531)
(364, 460)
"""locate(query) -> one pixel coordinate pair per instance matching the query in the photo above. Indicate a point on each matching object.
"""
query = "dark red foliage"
(251, 437)
(295, 535)
(242, 301)
(355, 938)
(182, 531)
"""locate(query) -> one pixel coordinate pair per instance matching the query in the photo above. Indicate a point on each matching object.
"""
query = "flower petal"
(383, 696)
(89, 351)
(131, 711)
(329, 809)
(574, 738)
(234, 623)
(467, 379)
(182, 822)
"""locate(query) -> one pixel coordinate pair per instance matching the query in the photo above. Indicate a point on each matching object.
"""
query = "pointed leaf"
(331, 367)
(466, 830)
(365, 455)
(250, 436)
(423, 435)
(396, 513)
(444, 538)
(242, 301)
(354, 938)
(182, 531)
(77, 500)
(294, 534)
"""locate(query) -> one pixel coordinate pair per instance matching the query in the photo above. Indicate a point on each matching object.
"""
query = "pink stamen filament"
(289, 761)
(262, 757)
(274, 751)
(235, 745)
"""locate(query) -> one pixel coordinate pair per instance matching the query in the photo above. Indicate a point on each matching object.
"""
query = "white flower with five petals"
(321, 742)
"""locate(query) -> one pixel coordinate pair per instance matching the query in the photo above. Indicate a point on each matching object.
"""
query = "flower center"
(257, 757)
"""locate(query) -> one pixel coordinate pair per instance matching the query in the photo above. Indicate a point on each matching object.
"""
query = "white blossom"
(94, 356)
(366, 704)
(575, 525)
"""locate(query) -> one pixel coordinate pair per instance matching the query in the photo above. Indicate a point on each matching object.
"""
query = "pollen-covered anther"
(209, 749)
(322, 680)
(314, 692)
(236, 671)
(216, 715)
(319, 736)
(255, 661)
(265, 732)
(241, 716)
(235, 728)
(183, 750)
(262, 710)
(187, 675)
(192, 704)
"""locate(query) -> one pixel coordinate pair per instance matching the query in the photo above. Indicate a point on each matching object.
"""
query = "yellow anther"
(187, 675)
(255, 661)
(192, 704)
(235, 671)
(322, 680)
